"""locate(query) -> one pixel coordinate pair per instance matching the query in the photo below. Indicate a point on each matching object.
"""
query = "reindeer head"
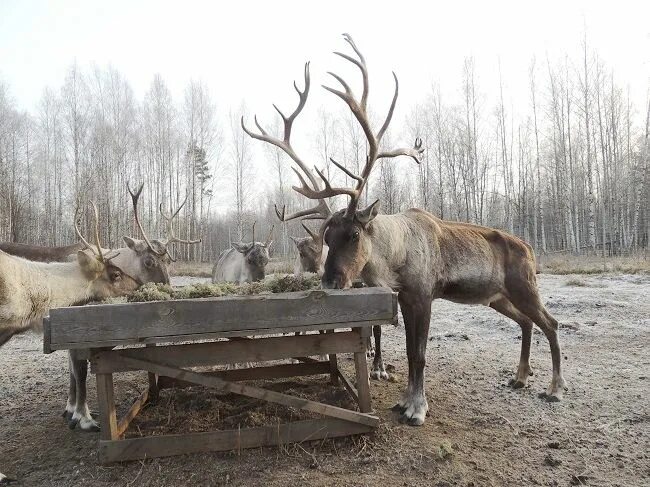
(148, 259)
(347, 232)
(106, 278)
(310, 251)
(256, 255)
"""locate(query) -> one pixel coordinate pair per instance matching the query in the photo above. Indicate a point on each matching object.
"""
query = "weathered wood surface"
(256, 392)
(168, 321)
(273, 435)
(254, 373)
(226, 352)
(138, 404)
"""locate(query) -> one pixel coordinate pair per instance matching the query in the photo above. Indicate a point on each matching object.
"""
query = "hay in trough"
(275, 283)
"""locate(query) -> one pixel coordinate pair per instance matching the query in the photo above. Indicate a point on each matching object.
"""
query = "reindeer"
(39, 253)
(421, 256)
(28, 290)
(146, 261)
(311, 253)
(244, 262)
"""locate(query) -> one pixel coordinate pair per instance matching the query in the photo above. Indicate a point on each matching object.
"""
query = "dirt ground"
(479, 433)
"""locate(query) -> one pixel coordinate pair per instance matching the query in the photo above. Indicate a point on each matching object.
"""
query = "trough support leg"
(363, 382)
(334, 366)
(153, 383)
(107, 416)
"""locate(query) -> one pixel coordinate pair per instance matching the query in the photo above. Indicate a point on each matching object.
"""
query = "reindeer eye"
(149, 263)
(116, 276)
(355, 236)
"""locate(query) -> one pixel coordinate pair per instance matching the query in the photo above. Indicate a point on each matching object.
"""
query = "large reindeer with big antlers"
(421, 256)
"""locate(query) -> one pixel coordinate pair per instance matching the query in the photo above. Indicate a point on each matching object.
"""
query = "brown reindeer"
(423, 258)
(38, 253)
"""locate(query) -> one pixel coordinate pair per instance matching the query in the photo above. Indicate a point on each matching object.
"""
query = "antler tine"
(317, 212)
(389, 116)
(314, 237)
(346, 171)
(254, 223)
(414, 152)
(268, 239)
(361, 64)
(134, 198)
(78, 231)
(97, 241)
(328, 192)
(170, 227)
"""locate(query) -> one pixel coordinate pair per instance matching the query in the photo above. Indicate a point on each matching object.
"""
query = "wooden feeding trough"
(180, 334)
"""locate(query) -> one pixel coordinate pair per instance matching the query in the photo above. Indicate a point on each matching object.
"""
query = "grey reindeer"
(243, 262)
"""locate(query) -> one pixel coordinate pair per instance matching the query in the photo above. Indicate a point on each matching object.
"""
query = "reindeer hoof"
(379, 375)
(72, 423)
(398, 408)
(4, 480)
(415, 421)
(516, 383)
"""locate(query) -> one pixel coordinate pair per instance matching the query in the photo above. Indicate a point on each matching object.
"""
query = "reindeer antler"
(97, 248)
(359, 109)
(322, 209)
(169, 219)
(134, 199)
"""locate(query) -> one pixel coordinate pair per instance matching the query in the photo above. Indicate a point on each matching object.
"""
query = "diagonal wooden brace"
(251, 391)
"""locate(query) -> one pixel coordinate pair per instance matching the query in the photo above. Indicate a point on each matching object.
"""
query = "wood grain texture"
(254, 392)
(276, 435)
(255, 373)
(119, 324)
(226, 352)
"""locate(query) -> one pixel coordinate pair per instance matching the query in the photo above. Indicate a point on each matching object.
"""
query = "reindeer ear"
(133, 244)
(368, 214)
(241, 247)
(90, 266)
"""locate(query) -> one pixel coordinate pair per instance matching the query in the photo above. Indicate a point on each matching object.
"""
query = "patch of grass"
(576, 282)
(564, 264)
(191, 269)
(444, 450)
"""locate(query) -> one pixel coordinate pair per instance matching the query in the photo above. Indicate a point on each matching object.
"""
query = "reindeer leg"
(506, 308)
(532, 307)
(417, 314)
(81, 415)
(378, 370)
(5, 335)
(72, 391)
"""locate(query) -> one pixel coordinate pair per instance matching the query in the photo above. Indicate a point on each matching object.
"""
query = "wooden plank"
(254, 373)
(254, 392)
(225, 352)
(276, 435)
(348, 385)
(105, 325)
(153, 383)
(334, 366)
(133, 411)
(107, 417)
(216, 335)
(363, 382)
(47, 335)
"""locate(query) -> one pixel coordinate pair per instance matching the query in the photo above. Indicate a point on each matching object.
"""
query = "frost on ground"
(479, 431)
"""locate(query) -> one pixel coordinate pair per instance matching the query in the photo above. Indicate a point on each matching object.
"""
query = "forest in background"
(567, 172)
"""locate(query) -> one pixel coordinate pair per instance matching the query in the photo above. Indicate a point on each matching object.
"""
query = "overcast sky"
(253, 49)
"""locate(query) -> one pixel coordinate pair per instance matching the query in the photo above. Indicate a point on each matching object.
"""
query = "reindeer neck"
(389, 251)
(62, 284)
